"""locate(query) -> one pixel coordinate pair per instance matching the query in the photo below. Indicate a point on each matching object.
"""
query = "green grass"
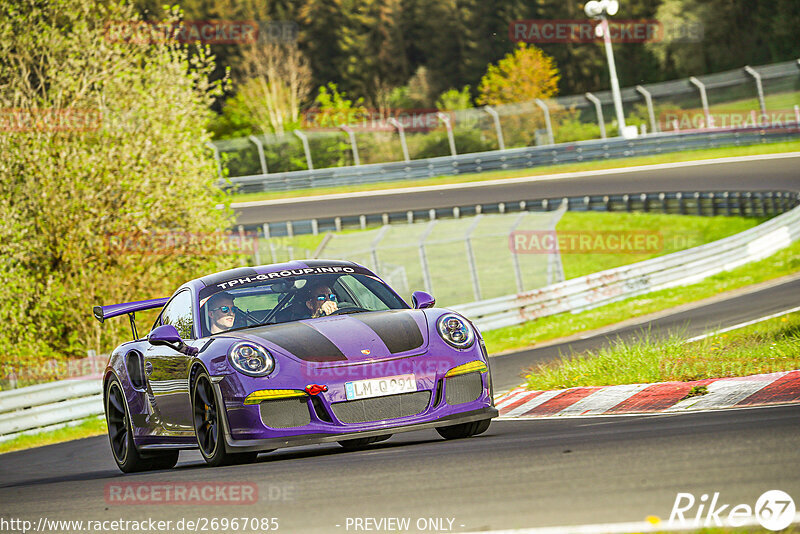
(94, 426)
(773, 148)
(766, 347)
(782, 263)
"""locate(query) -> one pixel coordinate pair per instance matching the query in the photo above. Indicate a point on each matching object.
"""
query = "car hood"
(350, 338)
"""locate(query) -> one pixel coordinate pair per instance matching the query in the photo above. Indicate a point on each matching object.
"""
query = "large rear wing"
(102, 313)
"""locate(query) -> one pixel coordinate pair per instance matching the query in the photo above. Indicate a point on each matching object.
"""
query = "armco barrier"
(680, 268)
(48, 406)
(516, 158)
(55, 404)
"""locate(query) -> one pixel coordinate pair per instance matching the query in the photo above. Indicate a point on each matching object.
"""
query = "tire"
(361, 443)
(120, 434)
(464, 430)
(207, 419)
(166, 460)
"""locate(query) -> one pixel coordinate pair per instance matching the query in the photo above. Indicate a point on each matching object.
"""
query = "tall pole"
(612, 68)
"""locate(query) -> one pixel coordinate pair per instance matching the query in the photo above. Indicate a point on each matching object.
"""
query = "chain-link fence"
(737, 98)
(457, 260)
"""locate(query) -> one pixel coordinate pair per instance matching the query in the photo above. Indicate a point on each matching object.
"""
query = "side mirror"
(167, 335)
(422, 300)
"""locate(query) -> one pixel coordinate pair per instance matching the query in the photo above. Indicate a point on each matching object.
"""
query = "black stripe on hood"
(302, 341)
(398, 331)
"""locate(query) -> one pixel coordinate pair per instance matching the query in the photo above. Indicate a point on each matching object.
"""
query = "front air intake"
(379, 408)
(285, 413)
(463, 388)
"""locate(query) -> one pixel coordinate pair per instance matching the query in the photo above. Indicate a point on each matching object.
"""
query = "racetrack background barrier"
(48, 406)
(733, 102)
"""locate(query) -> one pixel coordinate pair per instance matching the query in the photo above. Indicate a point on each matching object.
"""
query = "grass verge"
(767, 347)
(672, 157)
(94, 426)
(782, 263)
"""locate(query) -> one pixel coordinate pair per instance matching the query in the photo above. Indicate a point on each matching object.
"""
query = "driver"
(220, 313)
(321, 300)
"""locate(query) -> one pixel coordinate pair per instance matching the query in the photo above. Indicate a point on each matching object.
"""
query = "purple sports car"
(253, 359)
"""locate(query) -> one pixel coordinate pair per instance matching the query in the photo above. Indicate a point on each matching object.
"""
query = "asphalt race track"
(519, 474)
(523, 473)
(759, 175)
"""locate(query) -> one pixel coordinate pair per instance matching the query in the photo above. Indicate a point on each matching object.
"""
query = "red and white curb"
(662, 397)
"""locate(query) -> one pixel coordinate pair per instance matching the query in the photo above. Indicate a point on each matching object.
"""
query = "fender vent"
(463, 388)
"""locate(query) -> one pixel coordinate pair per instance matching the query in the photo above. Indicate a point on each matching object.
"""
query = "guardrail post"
(265, 228)
(727, 196)
(645, 204)
(699, 203)
(599, 110)
(289, 229)
(547, 123)
(627, 200)
(679, 197)
(760, 88)
(496, 118)
(213, 147)
(374, 246)
(473, 267)
(410, 217)
(423, 259)
(648, 98)
(713, 198)
(362, 221)
(353, 146)
(515, 256)
(394, 122)
(306, 149)
(704, 99)
(314, 227)
(260, 146)
(663, 198)
(450, 139)
(337, 223)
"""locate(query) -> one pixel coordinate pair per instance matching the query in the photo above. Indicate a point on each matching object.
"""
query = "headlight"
(456, 331)
(251, 359)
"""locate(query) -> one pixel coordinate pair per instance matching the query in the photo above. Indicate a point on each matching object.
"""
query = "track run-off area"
(521, 474)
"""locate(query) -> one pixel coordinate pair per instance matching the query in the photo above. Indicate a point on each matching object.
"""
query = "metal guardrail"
(48, 406)
(598, 289)
(703, 203)
(56, 404)
(517, 158)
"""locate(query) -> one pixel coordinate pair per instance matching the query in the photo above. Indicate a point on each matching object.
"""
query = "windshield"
(234, 305)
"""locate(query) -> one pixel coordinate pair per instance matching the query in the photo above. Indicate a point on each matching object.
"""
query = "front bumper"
(253, 445)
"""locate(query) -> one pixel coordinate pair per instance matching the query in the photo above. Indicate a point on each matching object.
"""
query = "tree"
(523, 75)
(277, 81)
(108, 145)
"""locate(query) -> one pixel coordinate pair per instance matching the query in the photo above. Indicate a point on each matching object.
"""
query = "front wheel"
(207, 417)
(464, 430)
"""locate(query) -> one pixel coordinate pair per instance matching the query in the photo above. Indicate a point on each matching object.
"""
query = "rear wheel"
(207, 417)
(464, 430)
(360, 443)
(120, 436)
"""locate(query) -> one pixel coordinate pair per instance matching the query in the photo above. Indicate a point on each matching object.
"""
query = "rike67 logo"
(773, 510)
